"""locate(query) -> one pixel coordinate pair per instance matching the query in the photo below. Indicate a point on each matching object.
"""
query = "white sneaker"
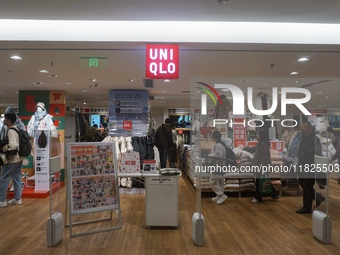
(221, 199)
(254, 200)
(3, 204)
(15, 202)
(215, 198)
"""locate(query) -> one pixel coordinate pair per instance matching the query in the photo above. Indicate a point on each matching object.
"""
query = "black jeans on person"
(308, 192)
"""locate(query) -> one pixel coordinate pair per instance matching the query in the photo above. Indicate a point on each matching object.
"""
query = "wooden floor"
(235, 227)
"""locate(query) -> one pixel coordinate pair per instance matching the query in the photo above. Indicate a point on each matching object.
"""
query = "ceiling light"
(303, 59)
(38, 83)
(44, 71)
(243, 80)
(84, 103)
(319, 92)
(129, 80)
(16, 57)
(84, 91)
(166, 80)
(294, 73)
(68, 83)
(53, 75)
(92, 79)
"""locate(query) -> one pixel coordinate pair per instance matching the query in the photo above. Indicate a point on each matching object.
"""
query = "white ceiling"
(228, 62)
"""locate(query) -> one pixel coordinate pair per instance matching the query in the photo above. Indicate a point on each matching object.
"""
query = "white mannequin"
(41, 120)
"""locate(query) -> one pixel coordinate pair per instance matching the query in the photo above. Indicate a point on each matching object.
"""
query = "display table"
(161, 199)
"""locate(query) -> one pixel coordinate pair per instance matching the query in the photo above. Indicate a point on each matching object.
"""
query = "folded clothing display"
(169, 171)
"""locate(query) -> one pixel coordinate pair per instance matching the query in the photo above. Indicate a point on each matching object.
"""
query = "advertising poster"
(42, 156)
(92, 177)
(128, 112)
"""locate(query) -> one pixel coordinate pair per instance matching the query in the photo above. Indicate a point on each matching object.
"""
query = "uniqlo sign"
(162, 61)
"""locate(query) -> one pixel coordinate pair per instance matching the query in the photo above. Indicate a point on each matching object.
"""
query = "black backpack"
(25, 146)
(231, 158)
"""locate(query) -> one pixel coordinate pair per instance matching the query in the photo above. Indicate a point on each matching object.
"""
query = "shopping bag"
(265, 185)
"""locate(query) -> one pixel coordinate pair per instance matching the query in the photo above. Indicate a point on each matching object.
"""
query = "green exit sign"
(93, 62)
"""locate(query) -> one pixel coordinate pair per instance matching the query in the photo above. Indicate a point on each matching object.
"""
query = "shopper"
(217, 178)
(18, 123)
(3, 131)
(163, 141)
(13, 168)
(308, 147)
(105, 131)
(173, 152)
(262, 158)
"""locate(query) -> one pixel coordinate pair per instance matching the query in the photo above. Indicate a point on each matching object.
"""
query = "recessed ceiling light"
(294, 73)
(84, 103)
(53, 75)
(166, 80)
(97, 97)
(68, 83)
(163, 91)
(243, 80)
(38, 83)
(265, 84)
(84, 91)
(92, 79)
(303, 59)
(129, 80)
(319, 92)
(298, 81)
(16, 57)
(44, 71)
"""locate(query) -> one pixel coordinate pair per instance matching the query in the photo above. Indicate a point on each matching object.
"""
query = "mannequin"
(41, 120)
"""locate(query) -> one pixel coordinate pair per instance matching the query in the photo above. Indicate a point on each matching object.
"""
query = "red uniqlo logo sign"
(162, 61)
(127, 124)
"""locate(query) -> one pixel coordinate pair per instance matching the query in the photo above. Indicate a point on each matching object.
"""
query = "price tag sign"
(130, 162)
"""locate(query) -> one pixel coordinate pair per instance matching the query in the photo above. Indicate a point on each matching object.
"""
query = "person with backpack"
(217, 178)
(3, 131)
(262, 158)
(13, 168)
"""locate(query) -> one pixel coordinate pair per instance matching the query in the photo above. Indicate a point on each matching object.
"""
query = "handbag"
(265, 185)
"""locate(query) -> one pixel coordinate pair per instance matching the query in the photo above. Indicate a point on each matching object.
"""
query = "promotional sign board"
(277, 145)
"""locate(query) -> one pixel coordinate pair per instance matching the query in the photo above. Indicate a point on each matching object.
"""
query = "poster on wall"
(128, 106)
(92, 175)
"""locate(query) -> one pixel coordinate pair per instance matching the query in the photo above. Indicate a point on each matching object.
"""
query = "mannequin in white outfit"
(41, 120)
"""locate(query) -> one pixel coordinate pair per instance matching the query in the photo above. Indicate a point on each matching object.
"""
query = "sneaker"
(215, 198)
(221, 199)
(3, 204)
(254, 200)
(15, 202)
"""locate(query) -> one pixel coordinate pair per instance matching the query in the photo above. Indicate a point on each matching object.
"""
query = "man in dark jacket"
(163, 141)
(309, 146)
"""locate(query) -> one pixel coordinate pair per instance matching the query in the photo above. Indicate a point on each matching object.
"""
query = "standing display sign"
(42, 157)
(240, 135)
(128, 112)
(162, 61)
(92, 179)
